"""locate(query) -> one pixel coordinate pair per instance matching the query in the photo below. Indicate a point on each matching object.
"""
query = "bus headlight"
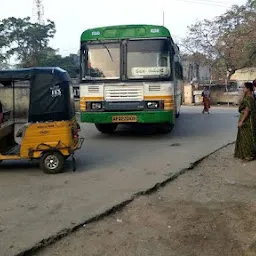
(96, 105)
(152, 104)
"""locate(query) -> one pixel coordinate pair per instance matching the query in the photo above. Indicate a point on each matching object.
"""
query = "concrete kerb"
(116, 208)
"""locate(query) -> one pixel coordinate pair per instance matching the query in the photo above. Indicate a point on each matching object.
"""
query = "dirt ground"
(210, 210)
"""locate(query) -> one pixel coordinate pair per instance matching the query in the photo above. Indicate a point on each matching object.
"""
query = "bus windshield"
(103, 61)
(148, 59)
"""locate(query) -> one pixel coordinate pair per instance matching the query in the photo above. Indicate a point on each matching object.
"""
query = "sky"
(73, 17)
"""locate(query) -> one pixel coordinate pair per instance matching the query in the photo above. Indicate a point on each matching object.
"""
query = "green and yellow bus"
(129, 74)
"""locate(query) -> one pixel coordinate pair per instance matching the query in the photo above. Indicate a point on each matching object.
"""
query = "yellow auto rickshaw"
(52, 132)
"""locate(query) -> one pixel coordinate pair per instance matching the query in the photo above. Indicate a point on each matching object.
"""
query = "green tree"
(29, 43)
(68, 63)
(228, 41)
(237, 41)
(4, 42)
(26, 40)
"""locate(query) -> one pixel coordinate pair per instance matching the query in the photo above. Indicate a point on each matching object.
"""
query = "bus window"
(103, 61)
(147, 59)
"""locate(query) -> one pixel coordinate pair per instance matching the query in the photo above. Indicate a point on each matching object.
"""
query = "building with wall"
(245, 74)
(194, 71)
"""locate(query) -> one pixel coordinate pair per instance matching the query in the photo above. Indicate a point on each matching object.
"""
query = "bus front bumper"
(128, 117)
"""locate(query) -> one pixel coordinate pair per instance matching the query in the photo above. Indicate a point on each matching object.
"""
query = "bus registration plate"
(124, 119)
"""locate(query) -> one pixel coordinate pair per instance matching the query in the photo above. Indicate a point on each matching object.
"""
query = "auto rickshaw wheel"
(106, 128)
(52, 162)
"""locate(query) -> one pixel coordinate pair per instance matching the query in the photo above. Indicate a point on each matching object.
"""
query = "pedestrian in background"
(206, 100)
(246, 135)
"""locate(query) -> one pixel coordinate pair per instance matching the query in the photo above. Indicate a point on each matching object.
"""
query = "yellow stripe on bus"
(83, 108)
(164, 97)
(91, 99)
(168, 105)
(82, 104)
(168, 101)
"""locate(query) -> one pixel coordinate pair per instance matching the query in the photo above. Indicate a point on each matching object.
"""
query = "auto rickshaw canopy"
(51, 93)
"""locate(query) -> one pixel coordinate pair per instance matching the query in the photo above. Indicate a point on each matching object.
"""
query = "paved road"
(110, 169)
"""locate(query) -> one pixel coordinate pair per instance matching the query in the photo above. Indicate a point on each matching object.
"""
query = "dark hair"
(249, 86)
(254, 83)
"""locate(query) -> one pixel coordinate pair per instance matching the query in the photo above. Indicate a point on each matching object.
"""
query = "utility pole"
(163, 18)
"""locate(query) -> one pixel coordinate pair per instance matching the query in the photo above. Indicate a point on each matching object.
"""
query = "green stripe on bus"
(142, 117)
(125, 31)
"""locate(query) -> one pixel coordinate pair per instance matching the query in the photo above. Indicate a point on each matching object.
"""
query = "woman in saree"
(206, 100)
(246, 135)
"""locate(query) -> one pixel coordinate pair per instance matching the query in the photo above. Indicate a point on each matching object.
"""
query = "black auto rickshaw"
(52, 132)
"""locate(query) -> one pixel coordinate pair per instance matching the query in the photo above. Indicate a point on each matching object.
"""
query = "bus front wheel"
(106, 128)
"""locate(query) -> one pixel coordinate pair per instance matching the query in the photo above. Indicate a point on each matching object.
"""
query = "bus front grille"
(123, 93)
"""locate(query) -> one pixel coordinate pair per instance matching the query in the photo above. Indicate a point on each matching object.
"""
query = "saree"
(206, 100)
(246, 135)
(207, 104)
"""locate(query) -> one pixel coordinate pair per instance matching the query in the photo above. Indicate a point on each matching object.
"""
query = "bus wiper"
(107, 49)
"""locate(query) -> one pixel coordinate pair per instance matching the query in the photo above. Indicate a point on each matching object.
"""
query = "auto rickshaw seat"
(7, 140)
